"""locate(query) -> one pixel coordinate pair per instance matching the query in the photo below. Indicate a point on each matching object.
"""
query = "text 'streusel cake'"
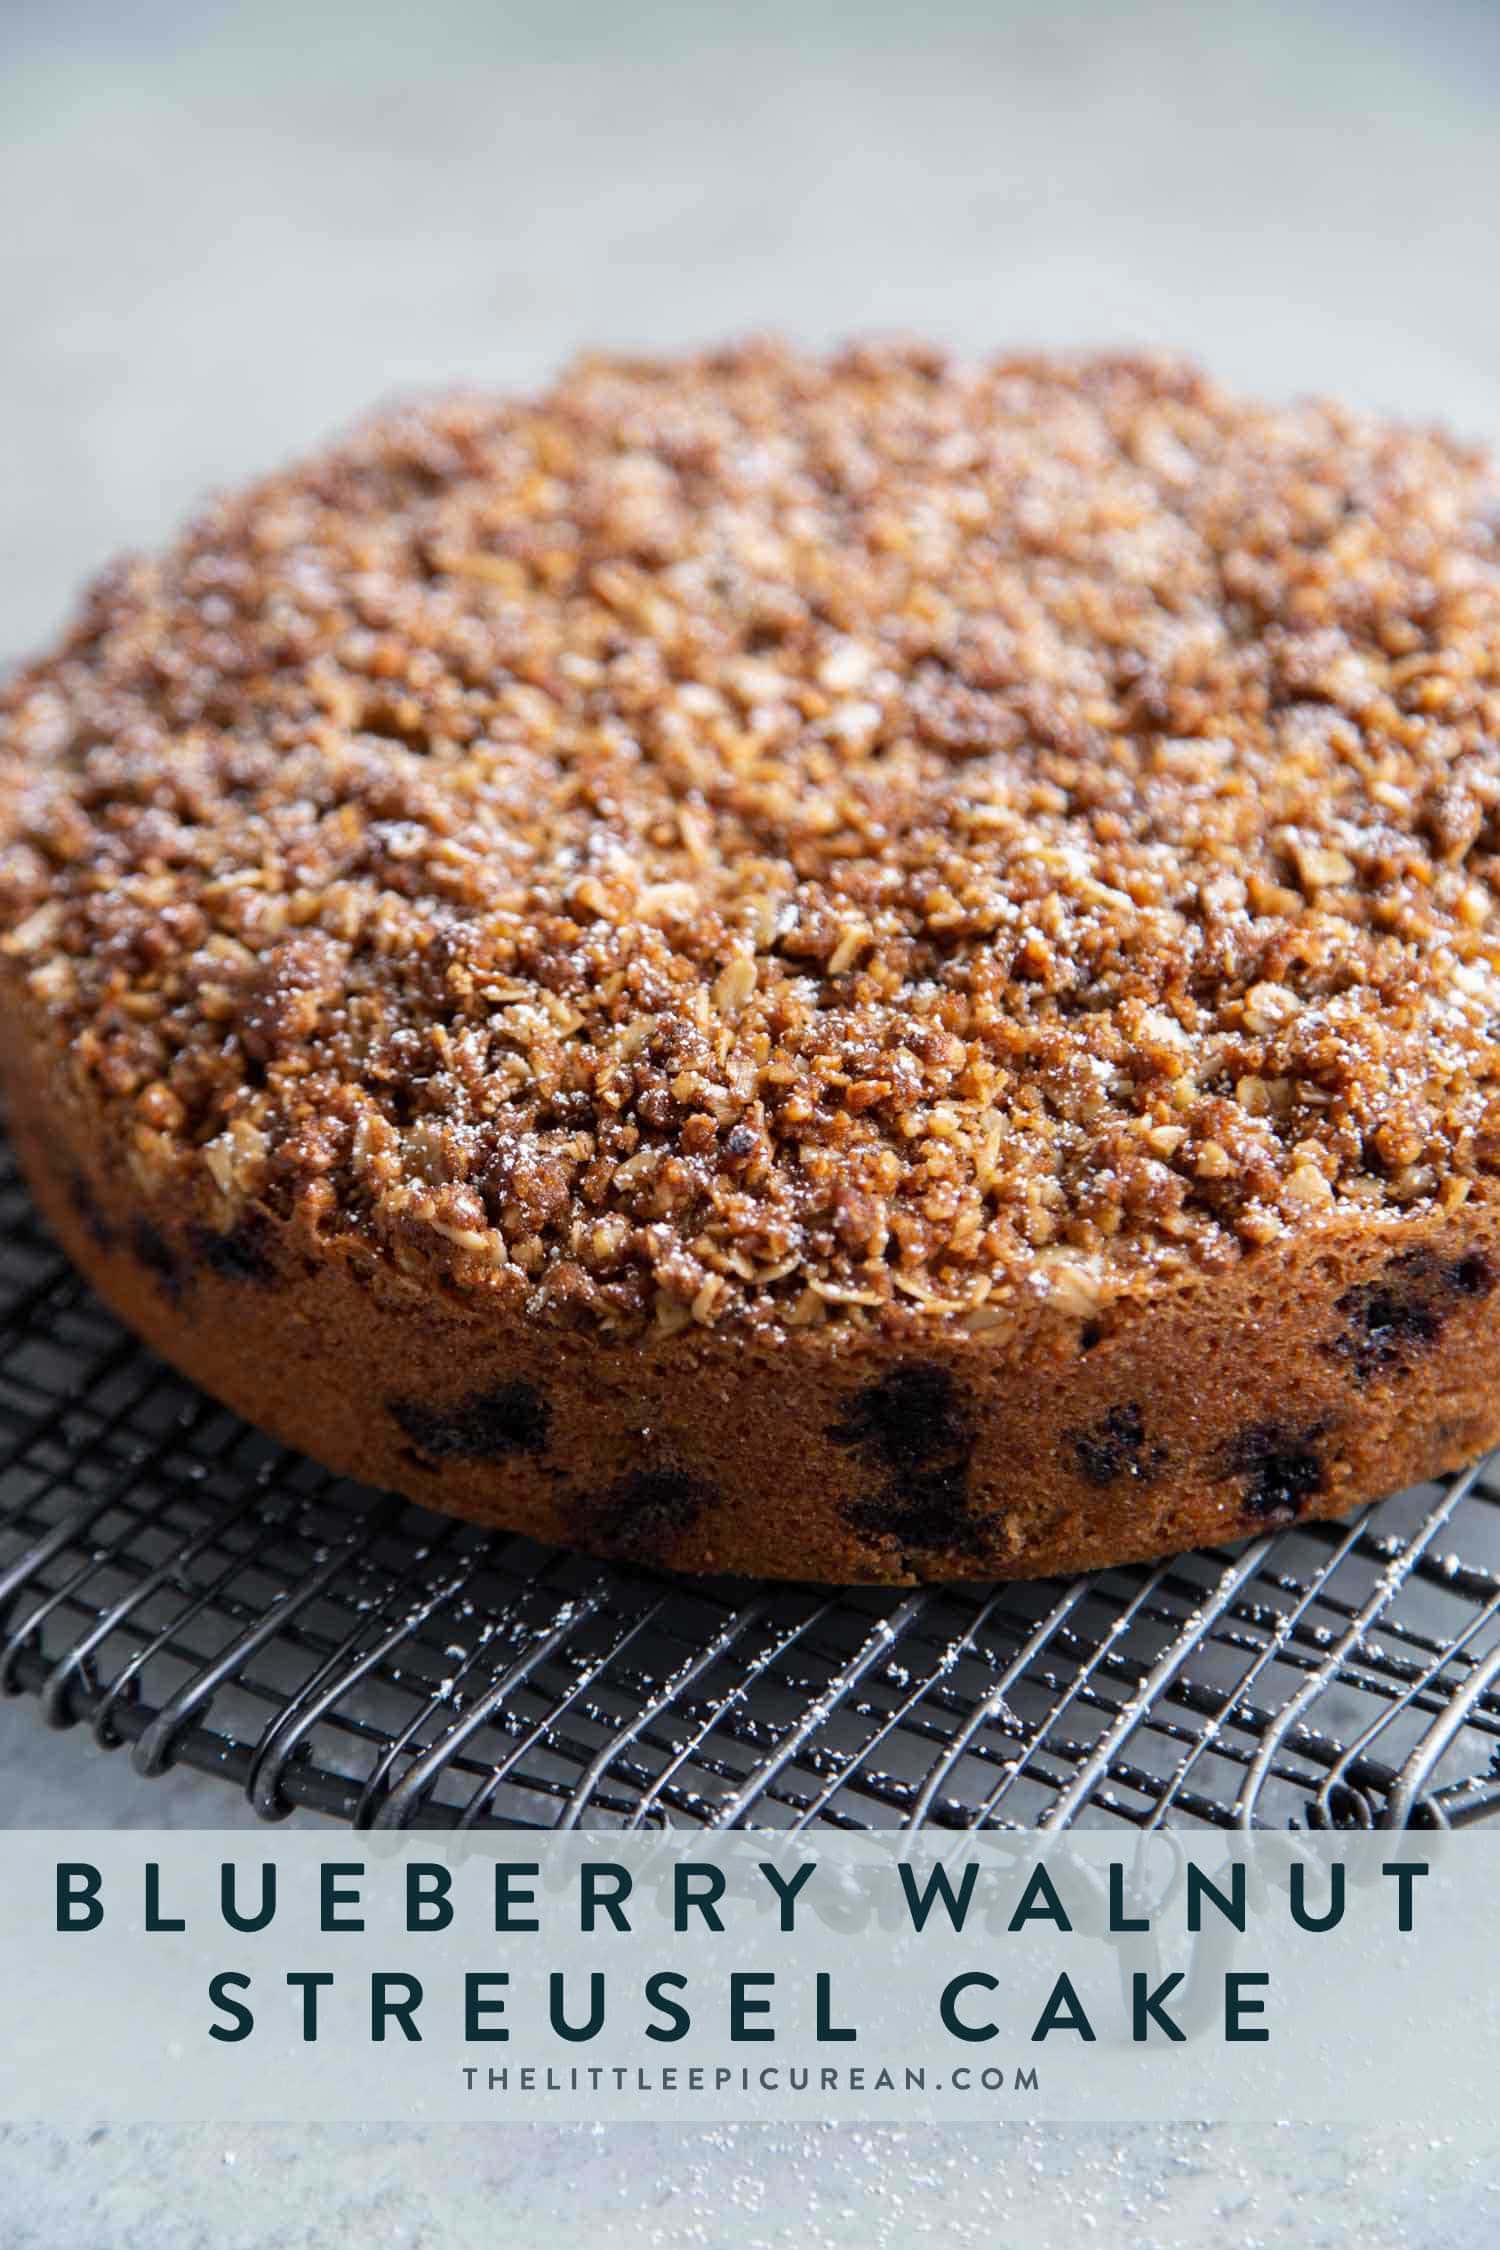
(864, 968)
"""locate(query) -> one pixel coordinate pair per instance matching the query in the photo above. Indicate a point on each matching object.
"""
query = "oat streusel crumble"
(778, 839)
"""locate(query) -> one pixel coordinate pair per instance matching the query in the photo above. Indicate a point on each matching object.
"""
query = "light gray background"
(226, 229)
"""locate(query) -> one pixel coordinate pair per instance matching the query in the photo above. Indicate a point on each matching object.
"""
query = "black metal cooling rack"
(191, 1590)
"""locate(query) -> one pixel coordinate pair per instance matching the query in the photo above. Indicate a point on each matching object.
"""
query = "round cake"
(862, 968)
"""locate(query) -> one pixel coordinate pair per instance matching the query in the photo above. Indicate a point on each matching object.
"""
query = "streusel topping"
(764, 836)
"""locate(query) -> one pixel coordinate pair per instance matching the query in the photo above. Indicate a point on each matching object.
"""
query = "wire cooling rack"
(186, 1587)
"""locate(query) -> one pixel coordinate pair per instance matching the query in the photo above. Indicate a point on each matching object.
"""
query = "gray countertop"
(231, 227)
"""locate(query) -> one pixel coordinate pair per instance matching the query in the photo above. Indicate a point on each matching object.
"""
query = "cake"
(858, 968)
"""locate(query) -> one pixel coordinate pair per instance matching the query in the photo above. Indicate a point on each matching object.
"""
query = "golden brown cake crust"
(858, 968)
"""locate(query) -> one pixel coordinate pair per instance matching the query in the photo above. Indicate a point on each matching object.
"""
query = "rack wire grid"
(186, 1587)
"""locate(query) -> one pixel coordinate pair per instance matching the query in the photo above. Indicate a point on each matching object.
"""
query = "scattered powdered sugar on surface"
(744, 2187)
(758, 837)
